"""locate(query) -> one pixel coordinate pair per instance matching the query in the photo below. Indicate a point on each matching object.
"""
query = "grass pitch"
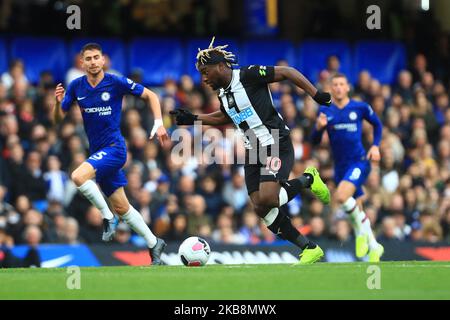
(398, 280)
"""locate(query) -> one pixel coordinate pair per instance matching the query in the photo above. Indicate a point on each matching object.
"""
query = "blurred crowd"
(407, 193)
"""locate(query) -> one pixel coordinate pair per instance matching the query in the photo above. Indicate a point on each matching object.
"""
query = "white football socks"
(91, 191)
(134, 219)
(360, 222)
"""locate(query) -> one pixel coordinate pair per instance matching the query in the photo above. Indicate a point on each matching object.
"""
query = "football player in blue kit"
(343, 121)
(99, 96)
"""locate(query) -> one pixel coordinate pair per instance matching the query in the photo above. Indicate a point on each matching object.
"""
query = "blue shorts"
(108, 163)
(356, 173)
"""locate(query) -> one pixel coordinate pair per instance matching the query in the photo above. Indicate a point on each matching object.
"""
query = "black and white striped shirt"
(247, 101)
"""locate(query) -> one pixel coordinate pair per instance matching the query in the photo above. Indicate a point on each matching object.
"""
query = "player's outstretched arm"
(155, 106)
(58, 114)
(185, 117)
(292, 74)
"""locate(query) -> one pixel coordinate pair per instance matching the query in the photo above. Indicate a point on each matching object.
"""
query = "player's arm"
(216, 118)
(374, 151)
(60, 98)
(185, 117)
(158, 128)
(319, 128)
(282, 73)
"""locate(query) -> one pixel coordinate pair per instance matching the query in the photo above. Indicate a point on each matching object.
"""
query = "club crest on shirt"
(353, 115)
(106, 96)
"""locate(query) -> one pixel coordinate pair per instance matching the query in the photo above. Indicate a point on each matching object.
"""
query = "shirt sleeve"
(128, 86)
(69, 97)
(372, 117)
(257, 75)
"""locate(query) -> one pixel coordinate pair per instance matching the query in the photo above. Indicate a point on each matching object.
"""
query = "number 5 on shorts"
(98, 156)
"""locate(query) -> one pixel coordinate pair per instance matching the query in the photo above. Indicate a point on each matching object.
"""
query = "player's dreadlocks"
(214, 55)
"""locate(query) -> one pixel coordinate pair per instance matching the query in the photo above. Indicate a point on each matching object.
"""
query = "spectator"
(235, 191)
(342, 231)
(333, 65)
(250, 229)
(71, 231)
(404, 86)
(178, 230)
(123, 233)
(317, 232)
(15, 74)
(389, 230)
(107, 66)
(208, 189)
(197, 216)
(91, 232)
(56, 179)
(76, 71)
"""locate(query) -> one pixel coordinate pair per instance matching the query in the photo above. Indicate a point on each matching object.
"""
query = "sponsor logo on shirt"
(102, 111)
(350, 127)
(240, 117)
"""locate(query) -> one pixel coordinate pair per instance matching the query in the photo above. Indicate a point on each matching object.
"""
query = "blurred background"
(401, 69)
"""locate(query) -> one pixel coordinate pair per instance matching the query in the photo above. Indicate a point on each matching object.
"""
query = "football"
(194, 252)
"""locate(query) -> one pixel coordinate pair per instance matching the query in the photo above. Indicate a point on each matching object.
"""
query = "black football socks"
(294, 186)
(283, 228)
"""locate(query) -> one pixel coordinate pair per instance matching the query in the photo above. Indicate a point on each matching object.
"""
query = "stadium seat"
(314, 53)
(267, 52)
(3, 57)
(114, 48)
(382, 59)
(40, 54)
(192, 50)
(159, 59)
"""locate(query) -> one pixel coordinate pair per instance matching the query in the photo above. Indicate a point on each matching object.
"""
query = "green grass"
(399, 280)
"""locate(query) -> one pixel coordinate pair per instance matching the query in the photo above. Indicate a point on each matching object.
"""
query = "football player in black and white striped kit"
(246, 101)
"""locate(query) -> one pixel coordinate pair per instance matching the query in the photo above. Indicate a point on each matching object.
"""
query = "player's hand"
(321, 121)
(322, 98)
(59, 93)
(160, 131)
(374, 154)
(184, 117)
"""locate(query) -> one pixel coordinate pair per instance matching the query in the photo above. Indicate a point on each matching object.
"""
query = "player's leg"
(266, 205)
(376, 250)
(104, 163)
(82, 177)
(134, 219)
(267, 195)
(346, 193)
(344, 197)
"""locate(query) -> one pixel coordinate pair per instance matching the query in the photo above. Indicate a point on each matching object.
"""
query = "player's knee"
(340, 198)
(121, 208)
(261, 208)
(78, 178)
(261, 211)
